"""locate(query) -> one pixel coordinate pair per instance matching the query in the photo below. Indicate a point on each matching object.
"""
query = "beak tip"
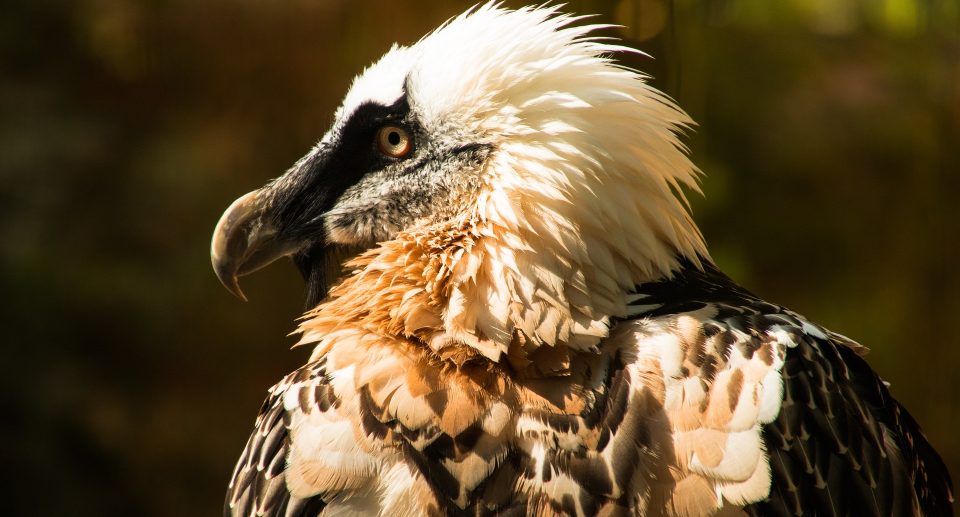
(236, 291)
(228, 278)
(227, 274)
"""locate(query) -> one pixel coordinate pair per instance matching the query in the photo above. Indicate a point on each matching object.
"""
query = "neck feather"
(476, 289)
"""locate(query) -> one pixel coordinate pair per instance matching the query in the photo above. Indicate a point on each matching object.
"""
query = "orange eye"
(394, 141)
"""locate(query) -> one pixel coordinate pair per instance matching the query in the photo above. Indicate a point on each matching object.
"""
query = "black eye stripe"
(341, 163)
(370, 116)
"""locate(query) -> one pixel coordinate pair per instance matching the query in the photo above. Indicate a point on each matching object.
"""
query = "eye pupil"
(394, 141)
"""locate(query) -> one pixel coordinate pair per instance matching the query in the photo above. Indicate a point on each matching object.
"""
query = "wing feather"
(842, 445)
(258, 486)
(835, 440)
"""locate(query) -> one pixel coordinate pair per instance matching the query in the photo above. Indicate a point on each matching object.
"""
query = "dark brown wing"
(258, 486)
(843, 446)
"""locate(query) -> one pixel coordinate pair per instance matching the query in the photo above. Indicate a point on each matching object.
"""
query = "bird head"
(516, 124)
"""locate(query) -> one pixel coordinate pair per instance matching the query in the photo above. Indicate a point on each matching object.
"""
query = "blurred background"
(829, 132)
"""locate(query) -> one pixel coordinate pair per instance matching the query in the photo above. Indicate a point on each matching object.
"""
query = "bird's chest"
(601, 432)
(457, 439)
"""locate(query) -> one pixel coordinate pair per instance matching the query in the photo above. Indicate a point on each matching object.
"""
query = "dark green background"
(829, 132)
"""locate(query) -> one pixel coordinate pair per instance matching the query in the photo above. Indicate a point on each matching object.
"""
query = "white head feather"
(584, 183)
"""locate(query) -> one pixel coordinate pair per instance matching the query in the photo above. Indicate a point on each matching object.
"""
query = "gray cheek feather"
(432, 186)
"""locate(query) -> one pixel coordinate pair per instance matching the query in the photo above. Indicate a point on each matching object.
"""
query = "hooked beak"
(245, 241)
(286, 218)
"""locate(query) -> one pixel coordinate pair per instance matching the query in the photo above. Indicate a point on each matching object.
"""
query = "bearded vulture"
(530, 323)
